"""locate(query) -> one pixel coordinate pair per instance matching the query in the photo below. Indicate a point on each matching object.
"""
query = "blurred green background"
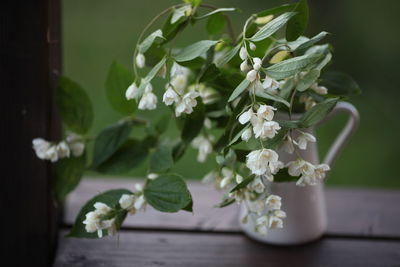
(364, 35)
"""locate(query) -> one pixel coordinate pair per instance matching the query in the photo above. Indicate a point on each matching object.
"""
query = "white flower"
(246, 135)
(187, 103)
(177, 69)
(303, 139)
(207, 123)
(126, 202)
(279, 213)
(76, 144)
(271, 85)
(52, 154)
(179, 82)
(256, 206)
(131, 92)
(275, 222)
(261, 161)
(320, 171)
(265, 129)
(244, 66)
(40, 146)
(63, 150)
(93, 221)
(308, 101)
(170, 97)
(266, 112)
(298, 167)
(273, 202)
(238, 178)
(243, 53)
(148, 100)
(310, 174)
(227, 177)
(261, 225)
(257, 185)
(322, 90)
(152, 176)
(252, 75)
(252, 46)
(257, 63)
(204, 146)
(256, 87)
(140, 60)
(139, 202)
(246, 116)
(287, 145)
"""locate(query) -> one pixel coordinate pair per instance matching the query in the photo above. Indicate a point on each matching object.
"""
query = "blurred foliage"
(366, 41)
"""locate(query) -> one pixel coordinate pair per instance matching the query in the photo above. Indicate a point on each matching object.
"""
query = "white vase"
(305, 206)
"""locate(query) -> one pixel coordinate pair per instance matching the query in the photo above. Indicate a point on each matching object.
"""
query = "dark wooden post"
(29, 65)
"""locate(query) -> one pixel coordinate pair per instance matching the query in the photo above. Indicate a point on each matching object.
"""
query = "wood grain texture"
(30, 61)
(141, 248)
(351, 212)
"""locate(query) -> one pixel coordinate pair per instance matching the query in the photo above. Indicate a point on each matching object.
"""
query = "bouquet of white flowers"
(235, 83)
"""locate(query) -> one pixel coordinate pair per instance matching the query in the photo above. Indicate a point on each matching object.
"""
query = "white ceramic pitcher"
(305, 206)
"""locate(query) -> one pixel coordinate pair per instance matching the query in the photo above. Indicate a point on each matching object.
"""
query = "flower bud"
(243, 53)
(251, 75)
(252, 46)
(246, 135)
(257, 63)
(244, 66)
(131, 92)
(140, 60)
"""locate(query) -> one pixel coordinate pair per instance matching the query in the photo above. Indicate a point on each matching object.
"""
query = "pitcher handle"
(346, 133)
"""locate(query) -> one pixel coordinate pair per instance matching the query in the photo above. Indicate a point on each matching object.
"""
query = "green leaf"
(225, 202)
(283, 176)
(237, 136)
(307, 80)
(146, 44)
(161, 159)
(271, 27)
(179, 13)
(243, 184)
(307, 44)
(273, 98)
(298, 24)
(162, 124)
(167, 193)
(317, 112)
(215, 24)
(150, 76)
(171, 30)
(130, 155)
(277, 10)
(239, 89)
(74, 106)
(193, 2)
(193, 123)
(339, 83)
(217, 11)
(194, 50)
(68, 173)
(294, 124)
(292, 66)
(227, 55)
(118, 80)
(109, 140)
(110, 198)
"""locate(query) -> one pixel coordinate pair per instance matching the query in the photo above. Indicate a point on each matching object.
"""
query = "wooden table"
(363, 230)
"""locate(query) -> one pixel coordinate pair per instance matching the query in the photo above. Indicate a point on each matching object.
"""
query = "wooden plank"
(141, 248)
(29, 64)
(352, 212)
